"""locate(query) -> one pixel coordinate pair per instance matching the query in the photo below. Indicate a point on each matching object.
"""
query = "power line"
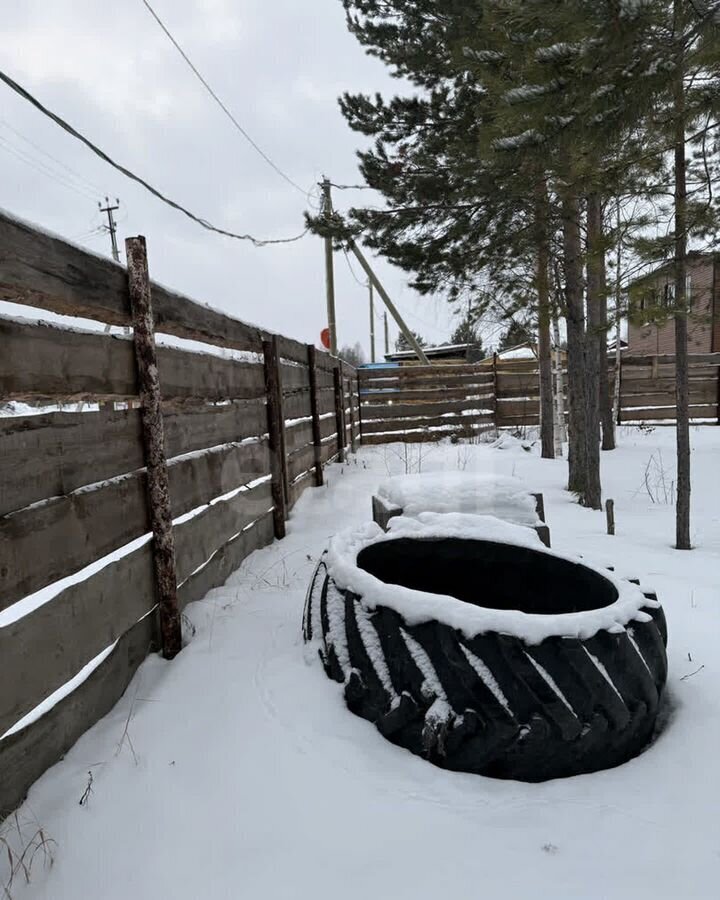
(219, 102)
(26, 95)
(82, 181)
(352, 271)
(43, 169)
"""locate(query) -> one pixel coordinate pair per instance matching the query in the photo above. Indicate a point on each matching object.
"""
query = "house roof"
(666, 267)
(444, 351)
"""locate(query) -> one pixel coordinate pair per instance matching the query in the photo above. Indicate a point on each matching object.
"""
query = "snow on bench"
(484, 494)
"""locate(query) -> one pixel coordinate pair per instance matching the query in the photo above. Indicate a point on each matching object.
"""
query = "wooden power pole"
(329, 270)
(372, 322)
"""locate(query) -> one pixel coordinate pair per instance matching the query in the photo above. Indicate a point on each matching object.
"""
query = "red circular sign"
(325, 338)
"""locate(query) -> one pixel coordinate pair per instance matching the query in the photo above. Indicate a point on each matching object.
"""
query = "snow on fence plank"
(42, 270)
(41, 360)
(48, 540)
(57, 453)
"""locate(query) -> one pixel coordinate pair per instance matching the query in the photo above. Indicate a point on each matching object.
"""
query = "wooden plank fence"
(243, 439)
(420, 403)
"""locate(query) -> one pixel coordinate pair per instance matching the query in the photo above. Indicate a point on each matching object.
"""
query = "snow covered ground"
(235, 771)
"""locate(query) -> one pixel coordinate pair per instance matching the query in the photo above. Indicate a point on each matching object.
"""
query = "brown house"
(651, 328)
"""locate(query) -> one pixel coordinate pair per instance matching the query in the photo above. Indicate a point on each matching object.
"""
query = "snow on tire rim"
(467, 642)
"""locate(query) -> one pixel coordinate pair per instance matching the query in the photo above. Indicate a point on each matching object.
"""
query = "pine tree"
(402, 344)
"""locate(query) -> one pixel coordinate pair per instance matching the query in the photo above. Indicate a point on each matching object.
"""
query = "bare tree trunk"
(682, 391)
(606, 405)
(594, 340)
(544, 342)
(575, 317)
(560, 430)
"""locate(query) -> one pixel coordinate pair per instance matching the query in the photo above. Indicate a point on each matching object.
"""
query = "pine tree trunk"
(547, 438)
(682, 391)
(594, 340)
(575, 318)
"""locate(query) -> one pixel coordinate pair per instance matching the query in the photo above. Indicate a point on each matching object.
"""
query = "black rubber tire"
(563, 707)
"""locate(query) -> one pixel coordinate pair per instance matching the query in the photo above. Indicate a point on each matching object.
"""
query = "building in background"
(651, 329)
(443, 355)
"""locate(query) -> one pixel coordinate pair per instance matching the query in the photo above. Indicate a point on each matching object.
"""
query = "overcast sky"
(279, 65)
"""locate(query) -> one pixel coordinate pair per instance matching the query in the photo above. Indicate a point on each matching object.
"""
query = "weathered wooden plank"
(300, 461)
(666, 398)
(27, 753)
(49, 646)
(638, 373)
(665, 385)
(297, 405)
(423, 437)
(294, 378)
(41, 360)
(329, 449)
(414, 372)
(700, 411)
(326, 401)
(392, 425)
(438, 395)
(226, 560)
(45, 456)
(198, 538)
(43, 543)
(509, 408)
(694, 359)
(469, 383)
(297, 488)
(298, 435)
(408, 410)
(53, 454)
(41, 270)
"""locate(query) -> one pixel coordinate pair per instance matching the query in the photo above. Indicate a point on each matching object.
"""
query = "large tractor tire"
(493, 703)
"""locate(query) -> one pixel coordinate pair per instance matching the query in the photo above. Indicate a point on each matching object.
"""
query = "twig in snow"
(88, 790)
(690, 674)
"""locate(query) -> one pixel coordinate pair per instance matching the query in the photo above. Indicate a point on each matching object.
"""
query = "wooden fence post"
(495, 391)
(339, 416)
(353, 448)
(154, 443)
(315, 413)
(276, 432)
(610, 516)
(360, 425)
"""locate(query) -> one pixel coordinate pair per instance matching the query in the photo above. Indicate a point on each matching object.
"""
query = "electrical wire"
(26, 95)
(219, 102)
(352, 271)
(76, 176)
(40, 167)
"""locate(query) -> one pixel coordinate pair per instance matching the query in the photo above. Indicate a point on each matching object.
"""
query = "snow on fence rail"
(78, 584)
(421, 403)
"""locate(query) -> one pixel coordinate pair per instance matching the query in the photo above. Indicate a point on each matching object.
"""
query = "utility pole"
(329, 271)
(112, 227)
(372, 322)
(387, 334)
(374, 280)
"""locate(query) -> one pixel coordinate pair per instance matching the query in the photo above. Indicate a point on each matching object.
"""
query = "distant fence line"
(429, 403)
(243, 438)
